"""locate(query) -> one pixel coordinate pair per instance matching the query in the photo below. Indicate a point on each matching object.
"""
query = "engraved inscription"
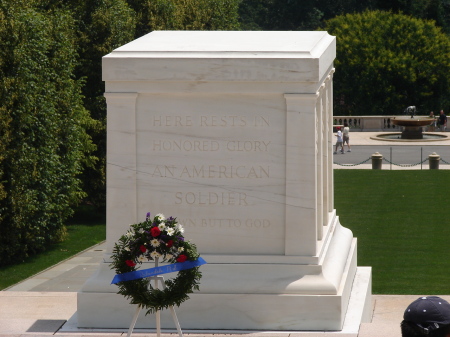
(210, 121)
(186, 145)
(168, 120)
(223, 121)
(211, 198)
(248, 146)
(228, 147)
(210, 145)
(212, 171)
(226, 223)
(233, 121)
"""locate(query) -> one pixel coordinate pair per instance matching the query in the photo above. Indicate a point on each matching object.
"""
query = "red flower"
(181, 258)
(169, 243)
(155, 232)
(130, 263)
(142, 249)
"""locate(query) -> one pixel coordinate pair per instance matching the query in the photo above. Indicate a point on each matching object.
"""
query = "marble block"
(230, 132)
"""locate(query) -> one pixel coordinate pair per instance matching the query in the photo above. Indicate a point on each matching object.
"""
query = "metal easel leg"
(175, 319)
(158, 312)
(172, 311)
(133, 322)
(158, 323)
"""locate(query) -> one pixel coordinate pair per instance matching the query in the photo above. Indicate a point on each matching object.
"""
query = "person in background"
(339, 140)
(432, 126)
(442, 121)
(427, 316)
(346, 137)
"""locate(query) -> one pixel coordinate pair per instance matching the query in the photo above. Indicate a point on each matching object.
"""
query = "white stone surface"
(248, 311)
(223, 56)
(230, 132)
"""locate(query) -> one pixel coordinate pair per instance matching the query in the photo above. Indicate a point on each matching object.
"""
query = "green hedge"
(44, 124)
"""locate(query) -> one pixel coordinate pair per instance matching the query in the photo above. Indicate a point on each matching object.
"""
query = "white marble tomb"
(231, 132)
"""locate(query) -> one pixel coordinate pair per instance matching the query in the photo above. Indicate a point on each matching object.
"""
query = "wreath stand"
(157, 280)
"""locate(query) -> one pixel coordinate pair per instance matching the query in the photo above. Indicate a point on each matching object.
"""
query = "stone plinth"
(230, 132)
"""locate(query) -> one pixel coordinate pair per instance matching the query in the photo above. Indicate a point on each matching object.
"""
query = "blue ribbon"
(138, 274)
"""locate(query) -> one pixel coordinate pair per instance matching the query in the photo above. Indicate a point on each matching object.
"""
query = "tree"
(102, 26)
(186, 15)
(295, 14)
(280, 14)
(45, 141)
(386, 62)
(312, 14)
(333, 8)
(437, 10)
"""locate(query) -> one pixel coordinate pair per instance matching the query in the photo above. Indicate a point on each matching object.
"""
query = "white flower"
(170, 231)
(180, 228)
(129, 234)
(169, 256)
(127, 249)
(141, 230)
(142, 258)
(161, 226)
(155, 243)
(160, 216)
(180, 249)
(155, 254)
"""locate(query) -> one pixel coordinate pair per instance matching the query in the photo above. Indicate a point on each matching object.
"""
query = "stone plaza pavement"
(46, 304)
(363, 146)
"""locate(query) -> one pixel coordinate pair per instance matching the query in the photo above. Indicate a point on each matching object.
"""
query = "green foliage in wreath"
(155, 239)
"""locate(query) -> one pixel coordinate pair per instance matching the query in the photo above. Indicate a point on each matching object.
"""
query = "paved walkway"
(45, 304)
(366, 138)
(403, 155)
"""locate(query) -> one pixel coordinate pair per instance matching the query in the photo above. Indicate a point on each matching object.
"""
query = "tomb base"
(277, 294)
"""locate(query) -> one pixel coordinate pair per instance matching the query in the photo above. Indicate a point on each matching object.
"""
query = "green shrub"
(45, 141)
(386, 62)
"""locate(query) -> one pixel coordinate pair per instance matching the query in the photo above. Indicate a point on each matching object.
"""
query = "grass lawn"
(402, 223)
(85, 229)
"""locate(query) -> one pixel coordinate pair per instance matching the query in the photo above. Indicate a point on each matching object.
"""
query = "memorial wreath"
(158, 239)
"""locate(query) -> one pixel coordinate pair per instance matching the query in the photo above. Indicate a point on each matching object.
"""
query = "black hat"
(429, 313)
